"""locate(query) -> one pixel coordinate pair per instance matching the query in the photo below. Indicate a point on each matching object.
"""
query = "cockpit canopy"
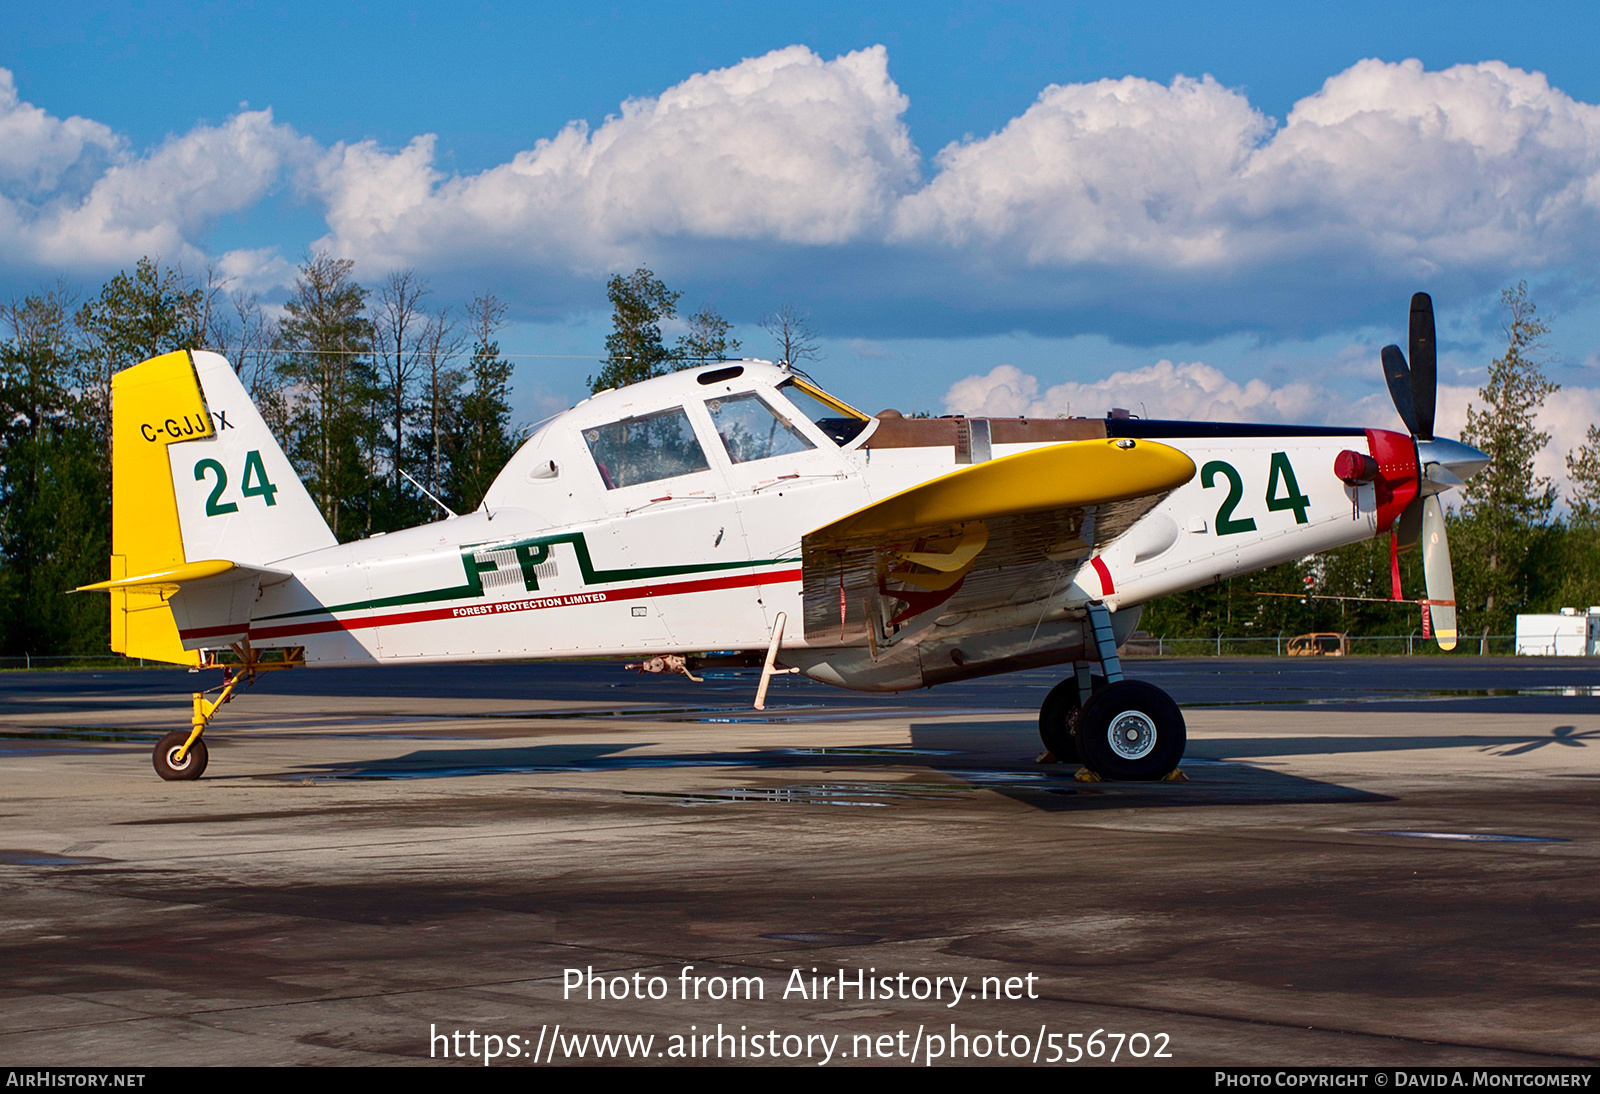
(673, 428)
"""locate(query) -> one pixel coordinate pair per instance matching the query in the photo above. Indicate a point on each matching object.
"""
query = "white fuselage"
(560, 562)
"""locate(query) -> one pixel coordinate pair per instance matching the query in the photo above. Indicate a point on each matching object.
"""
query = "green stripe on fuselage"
(527, 558)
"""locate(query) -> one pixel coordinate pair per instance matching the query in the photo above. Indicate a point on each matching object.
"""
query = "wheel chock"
(1176, 775)
(1084, 775)
(1046, 757)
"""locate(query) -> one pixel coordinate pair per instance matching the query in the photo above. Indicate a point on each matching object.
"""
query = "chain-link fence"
(1329, 644)
(1140, 645)
(102, 661)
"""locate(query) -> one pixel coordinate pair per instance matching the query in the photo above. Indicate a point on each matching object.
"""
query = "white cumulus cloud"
(74, 196)
(1149, 212)
(40, 154)
(158, 203)
(1388, 169)
(1163, 390)
(784, 148)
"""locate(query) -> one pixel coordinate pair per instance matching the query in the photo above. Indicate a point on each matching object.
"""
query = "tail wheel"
(1058, 718)
(1131, 731)
(166, 761)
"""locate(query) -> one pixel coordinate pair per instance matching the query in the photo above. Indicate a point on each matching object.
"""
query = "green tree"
(55, 513)
(332, 432)
(634, 350)
(708, 338)
(1573, 571)
(1583, 468)
(1506, 506)
(480, 438)
(152, 311)
(1234, 609)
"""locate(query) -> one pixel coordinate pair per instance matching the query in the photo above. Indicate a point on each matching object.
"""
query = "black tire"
(1131, 731)
(194, 762)
(1058, 718)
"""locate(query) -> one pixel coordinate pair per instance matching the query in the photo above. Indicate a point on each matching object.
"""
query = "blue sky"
(951, 190)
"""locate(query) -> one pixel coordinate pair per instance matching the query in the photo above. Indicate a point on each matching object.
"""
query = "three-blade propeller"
(1441, 464)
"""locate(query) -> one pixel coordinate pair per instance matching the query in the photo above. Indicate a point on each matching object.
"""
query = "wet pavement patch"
(850, 794)
(1468, 837)
(885, 751)
(825, 939)
(377, 773)
(45, 858)
(871, 793)
(81, 733)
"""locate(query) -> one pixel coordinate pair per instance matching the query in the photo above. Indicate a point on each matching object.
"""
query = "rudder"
(153, 405)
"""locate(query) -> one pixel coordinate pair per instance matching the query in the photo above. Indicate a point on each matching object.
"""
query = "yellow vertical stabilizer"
(153, 404)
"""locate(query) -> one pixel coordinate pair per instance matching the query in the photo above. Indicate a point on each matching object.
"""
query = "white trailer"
(1570, 633)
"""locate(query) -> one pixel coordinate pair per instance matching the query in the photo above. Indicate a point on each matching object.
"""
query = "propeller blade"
(1424, 364)
(1408, 530)
(1399, 378)
(1436, 571)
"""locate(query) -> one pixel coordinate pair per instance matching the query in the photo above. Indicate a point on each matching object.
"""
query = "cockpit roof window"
(839, 420)
(645, 449)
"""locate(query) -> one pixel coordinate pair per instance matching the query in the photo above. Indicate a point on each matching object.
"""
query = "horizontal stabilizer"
(171, 579)
(210, 600)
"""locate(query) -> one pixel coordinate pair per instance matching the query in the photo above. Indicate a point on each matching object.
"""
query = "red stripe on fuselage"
(1099, 564)
(500, 607)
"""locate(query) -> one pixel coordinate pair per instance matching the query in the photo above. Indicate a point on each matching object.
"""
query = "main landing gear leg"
(1125, 730)
(1058, 716)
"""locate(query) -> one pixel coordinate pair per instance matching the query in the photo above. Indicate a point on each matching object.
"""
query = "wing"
(1010, 531)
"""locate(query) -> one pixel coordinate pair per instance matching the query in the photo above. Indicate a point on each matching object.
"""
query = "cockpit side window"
(752, 430)
(645, 449)
(839, 421)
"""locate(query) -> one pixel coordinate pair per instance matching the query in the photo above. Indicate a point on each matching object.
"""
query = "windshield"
(750, 430)
(840, 421)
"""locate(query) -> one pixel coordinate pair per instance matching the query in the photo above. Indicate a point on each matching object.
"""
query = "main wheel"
(1131, 731)
(166, 761)
(1058, 718)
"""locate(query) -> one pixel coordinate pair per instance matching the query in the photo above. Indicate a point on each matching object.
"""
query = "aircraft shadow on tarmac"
(1245, 748)
(947, 761)
(1211, 781)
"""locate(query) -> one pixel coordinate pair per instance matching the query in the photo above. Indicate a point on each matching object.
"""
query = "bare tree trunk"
(442, 342)
(395, 318)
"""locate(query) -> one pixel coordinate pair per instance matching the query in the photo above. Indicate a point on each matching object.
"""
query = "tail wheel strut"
(181, 755)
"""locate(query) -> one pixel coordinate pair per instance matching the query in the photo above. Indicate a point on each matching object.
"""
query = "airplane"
(738, 507)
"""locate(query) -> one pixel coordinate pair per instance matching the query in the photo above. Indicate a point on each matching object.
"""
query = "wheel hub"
(177, 764)
(1132, 735)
